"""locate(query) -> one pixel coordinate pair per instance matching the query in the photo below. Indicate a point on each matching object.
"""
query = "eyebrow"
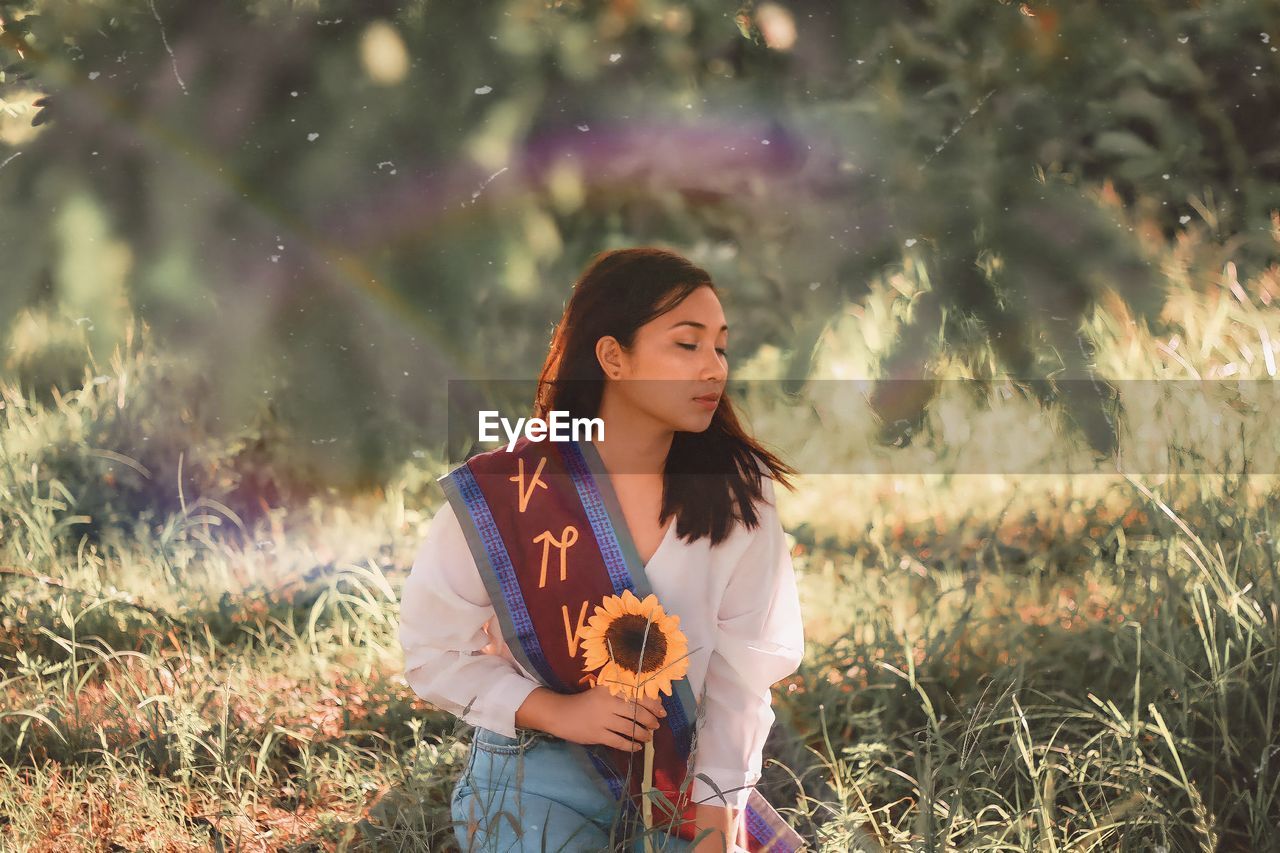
(696, 325)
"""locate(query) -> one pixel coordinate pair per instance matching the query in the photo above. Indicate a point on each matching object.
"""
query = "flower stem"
(646, 805)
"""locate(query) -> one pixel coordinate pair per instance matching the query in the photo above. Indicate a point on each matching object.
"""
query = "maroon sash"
(547, 532)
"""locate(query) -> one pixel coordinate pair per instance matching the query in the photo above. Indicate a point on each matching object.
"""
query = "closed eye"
(695, 346)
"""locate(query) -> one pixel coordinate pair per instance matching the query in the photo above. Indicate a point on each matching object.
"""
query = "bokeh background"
(247, 245)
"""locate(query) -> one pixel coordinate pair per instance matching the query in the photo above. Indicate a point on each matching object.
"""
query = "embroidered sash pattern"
(501, 563)
(592, 500)
(598, 515)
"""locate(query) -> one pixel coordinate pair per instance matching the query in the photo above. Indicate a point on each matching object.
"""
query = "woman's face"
(675, 359)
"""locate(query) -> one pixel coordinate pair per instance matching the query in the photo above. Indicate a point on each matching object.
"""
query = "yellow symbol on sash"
(518, 479)
(568, 537)
(570, 634)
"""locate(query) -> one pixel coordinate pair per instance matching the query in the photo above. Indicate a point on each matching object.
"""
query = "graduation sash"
(547, 532)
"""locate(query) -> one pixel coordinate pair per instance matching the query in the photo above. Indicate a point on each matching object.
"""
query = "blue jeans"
(539, 793)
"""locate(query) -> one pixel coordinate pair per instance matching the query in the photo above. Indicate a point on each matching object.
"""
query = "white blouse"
(738, 606)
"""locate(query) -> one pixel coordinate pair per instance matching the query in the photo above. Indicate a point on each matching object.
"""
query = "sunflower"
(615, 637)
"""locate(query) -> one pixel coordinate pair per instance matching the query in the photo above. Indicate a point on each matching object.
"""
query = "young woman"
(675, 500)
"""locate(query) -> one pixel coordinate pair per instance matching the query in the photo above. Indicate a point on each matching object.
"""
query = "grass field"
(995, 662)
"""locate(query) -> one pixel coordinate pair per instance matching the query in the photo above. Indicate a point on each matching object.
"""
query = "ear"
(609, 354)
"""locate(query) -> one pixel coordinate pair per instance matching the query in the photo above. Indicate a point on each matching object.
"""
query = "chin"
(699, 424)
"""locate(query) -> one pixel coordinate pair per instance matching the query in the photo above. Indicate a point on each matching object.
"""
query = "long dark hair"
(712, 477)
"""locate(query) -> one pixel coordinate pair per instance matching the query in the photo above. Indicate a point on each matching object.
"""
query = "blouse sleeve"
(759, 641)
(443, 610)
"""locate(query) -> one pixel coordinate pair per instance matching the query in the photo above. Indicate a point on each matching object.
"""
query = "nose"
(714, 369)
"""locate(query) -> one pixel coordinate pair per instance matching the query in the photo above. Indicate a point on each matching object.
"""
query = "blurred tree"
(369, 195)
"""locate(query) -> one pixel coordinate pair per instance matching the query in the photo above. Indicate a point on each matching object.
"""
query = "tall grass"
(1045, 663)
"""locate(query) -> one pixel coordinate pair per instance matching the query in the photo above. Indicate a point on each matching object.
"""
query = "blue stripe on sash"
(501, 563)
(758, 828)
(598, 515)
(616, 564)
(764, 833)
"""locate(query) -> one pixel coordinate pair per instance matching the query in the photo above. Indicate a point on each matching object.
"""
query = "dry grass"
(1037, 662)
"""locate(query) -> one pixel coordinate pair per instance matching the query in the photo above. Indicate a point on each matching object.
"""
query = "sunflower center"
(626, 636)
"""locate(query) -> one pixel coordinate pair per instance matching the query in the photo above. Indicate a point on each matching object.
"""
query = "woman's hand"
(597, 716)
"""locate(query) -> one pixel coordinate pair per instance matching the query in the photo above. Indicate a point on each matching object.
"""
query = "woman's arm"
(759, 641)
(723, 823)
(444, 608)
(542, 709)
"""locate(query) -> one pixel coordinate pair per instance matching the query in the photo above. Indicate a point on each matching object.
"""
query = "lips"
(710, 400)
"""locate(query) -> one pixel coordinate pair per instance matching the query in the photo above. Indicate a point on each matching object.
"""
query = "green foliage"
(1142, 716)
(317, 264)
(376, 201)
(134, 443)
(1110, 680)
